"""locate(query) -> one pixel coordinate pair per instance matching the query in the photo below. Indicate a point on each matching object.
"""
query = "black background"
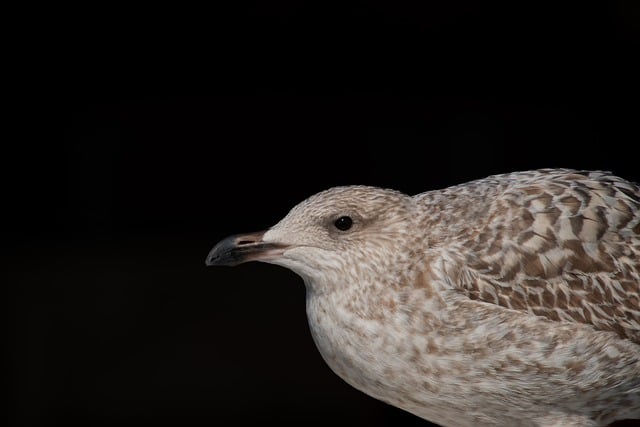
(147, 135)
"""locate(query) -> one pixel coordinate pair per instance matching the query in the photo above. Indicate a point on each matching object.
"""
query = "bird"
(511, 299)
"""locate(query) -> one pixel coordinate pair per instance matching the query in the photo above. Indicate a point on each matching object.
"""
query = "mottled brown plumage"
(510, 300)
(564, 245)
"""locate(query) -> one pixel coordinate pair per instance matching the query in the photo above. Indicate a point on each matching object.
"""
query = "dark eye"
(343, 223)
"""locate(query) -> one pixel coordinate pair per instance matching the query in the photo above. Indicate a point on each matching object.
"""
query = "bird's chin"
(287, 259)
(294, 260)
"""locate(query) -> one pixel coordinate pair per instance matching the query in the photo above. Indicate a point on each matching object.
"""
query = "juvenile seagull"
(509, 300)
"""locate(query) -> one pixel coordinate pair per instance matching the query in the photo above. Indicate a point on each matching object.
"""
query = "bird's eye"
(343, 223)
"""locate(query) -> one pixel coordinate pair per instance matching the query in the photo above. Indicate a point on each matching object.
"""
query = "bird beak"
(242, 248)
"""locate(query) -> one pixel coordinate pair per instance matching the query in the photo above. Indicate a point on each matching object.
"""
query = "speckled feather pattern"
(510, 300)
(559, 244)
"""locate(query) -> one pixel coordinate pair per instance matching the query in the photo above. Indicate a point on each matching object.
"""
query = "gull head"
(354, 229)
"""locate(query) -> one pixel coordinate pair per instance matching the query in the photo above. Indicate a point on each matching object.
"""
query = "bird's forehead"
(365, 197)
(350, 199)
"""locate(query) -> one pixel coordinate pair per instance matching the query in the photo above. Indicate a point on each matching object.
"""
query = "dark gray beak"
(242, 248)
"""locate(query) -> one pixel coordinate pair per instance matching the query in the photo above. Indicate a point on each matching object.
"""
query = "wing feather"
(561, 244)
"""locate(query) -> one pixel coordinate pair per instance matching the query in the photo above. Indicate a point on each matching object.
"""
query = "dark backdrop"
(147, 135)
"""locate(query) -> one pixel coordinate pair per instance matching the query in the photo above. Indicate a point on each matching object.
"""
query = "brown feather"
(561, 244)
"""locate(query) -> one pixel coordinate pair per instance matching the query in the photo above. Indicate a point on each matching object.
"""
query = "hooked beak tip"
(243, 248)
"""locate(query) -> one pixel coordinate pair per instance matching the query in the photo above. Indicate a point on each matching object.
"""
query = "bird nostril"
(248, 239)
